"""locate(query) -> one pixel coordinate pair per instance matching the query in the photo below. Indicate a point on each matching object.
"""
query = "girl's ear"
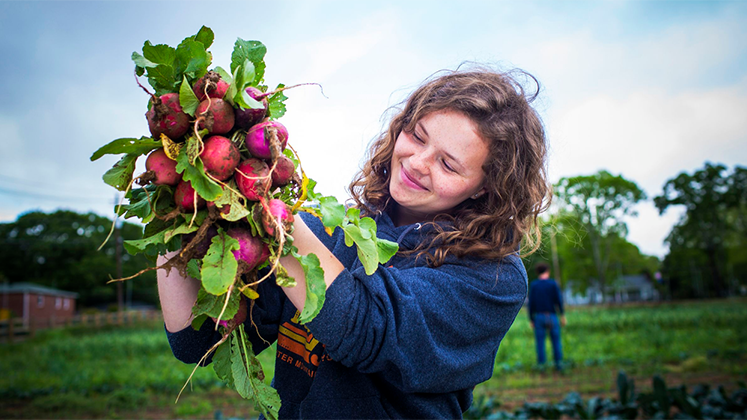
(479, 193)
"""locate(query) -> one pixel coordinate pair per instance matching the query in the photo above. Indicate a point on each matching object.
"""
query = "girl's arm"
(307, 243)
(177, 294)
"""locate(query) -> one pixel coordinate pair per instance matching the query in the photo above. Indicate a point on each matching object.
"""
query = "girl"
(458, 181)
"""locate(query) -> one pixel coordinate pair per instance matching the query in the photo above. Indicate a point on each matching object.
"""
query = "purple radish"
(251, 250)
(258, 138)
(246, 118)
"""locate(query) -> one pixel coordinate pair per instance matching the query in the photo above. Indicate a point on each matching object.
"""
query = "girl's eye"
(417, 137)
(447, 166)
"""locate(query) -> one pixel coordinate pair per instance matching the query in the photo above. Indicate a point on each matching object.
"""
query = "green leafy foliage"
(316, 288)
(276, 103)
(253, 51)
(212, 305)
(249, 377)
(131, 146)
(362, 232)
(120, 175)
(166, 67)
(707, 245)
(601, 202)
(187, 98)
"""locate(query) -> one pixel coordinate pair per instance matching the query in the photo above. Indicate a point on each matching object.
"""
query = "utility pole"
(118, 256)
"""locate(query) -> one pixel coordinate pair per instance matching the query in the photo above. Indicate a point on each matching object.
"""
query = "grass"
(685, 342)
(129, 372)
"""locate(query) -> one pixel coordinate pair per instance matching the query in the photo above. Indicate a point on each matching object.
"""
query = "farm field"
(129, 372)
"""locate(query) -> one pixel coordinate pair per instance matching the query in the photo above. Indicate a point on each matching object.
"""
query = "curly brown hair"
(493, 225)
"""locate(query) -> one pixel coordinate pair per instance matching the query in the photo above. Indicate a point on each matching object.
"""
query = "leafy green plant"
(702, 402)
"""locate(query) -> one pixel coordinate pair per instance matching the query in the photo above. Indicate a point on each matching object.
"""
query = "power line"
(51, 197)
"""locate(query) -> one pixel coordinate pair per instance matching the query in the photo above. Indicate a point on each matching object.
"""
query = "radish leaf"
(276, 103)
(120, 175)
(187, 98)
(128, 145)
(219, 266)
(316, 288)
(205, 187)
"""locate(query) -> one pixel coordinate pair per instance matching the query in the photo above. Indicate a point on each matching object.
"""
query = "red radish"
(218, 115)
(258, 138)
(246, 118)
(216, 87)
(251, 250)
(184, 196)
(220, 157)
(279, 212)
(252, 178)
(165, 116)
(163, 168)
(283, 172)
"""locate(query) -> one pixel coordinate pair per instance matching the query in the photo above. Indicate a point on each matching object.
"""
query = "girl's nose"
(419, 162)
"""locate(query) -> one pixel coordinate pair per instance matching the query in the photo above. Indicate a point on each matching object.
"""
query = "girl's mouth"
(410, 181)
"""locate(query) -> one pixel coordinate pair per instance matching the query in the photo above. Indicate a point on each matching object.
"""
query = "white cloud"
(650, 137)
(323, 57)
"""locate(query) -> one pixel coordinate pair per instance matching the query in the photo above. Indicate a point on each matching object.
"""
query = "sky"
(643, 89)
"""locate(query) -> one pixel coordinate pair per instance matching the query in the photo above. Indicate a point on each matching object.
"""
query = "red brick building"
(37, 304)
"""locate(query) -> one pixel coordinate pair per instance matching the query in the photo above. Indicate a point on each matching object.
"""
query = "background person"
(545, 303)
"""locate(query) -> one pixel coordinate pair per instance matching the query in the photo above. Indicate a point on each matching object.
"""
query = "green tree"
(707, 245)
(60, 250)
(575, 259)
(599, 203)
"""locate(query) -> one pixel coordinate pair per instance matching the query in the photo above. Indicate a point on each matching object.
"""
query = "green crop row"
(101, 361)
(636, 335)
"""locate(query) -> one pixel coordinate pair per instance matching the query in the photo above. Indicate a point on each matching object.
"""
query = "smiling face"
(436, 167)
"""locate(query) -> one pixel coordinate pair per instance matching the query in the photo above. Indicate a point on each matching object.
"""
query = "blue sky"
(646, 89)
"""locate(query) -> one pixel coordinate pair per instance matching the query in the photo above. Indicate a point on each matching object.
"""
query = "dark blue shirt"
(544, 297)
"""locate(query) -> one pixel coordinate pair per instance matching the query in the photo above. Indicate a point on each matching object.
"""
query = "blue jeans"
(544, 323)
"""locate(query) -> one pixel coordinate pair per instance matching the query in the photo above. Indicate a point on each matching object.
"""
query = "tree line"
(584, 234)
(61, 250)
(584, 240)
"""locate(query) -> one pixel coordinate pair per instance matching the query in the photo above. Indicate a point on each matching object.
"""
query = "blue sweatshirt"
(544, 297)
(408, 341)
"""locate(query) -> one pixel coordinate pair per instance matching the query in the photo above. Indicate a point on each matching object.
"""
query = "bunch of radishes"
(240, 149)
(221, 187)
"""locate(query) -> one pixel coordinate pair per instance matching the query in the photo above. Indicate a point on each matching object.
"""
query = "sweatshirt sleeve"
(424, 329)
